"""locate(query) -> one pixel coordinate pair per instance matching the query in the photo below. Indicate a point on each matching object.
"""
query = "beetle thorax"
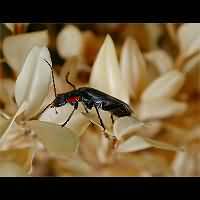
(73, 99)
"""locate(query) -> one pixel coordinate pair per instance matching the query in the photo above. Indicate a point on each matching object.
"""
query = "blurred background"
(146, 53)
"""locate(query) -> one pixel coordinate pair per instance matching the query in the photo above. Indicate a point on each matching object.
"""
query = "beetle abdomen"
(120, 111)
(105, 102)
(117, 108)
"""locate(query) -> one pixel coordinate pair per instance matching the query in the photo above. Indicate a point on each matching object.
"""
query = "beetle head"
(59, 101)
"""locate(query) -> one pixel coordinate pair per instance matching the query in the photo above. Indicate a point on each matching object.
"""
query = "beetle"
(90, 98)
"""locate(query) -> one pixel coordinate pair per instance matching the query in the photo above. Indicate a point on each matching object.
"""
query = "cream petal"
(4, 123)
(160, 108)
(78, 123)
(105, 74)
(171, 29)
(23, 157)
(7, 124)
(192, 73)
(125, 125)
(137, 143)
(133, 67)
(105, 116)
(60, 142)
(10, 26)
(188, 37)
(15, 48)
(33, 82)
(166, 86)
(161, 60)
(11, 169)
(154, 31)
(69, 42)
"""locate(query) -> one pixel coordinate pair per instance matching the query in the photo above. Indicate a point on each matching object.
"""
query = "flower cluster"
(159, 79)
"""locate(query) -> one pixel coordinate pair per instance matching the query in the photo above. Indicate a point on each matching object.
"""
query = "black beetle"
(90, 98)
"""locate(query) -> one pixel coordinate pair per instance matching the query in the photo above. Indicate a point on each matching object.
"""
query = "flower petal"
(133, 67)
(188, 37)
(78, 123)
(11, 169)
(167, 86)
(160, 59)
(7, 94)
(125, 125)
(105, 116)
(137, 143)
(160, 108)
(59, 141)
(191, 64)
(154, 31)
(7, 124)
(15, 48)
(10, 26)
(105, 74)
(69, 42)
(4, 123)
(192, 71)
(33, 82)
(152, 128)
(23, 157)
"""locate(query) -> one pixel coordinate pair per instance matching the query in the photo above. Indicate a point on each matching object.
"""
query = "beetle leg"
(111, 116)
(101, 121)
(75, 108)
(86, 110)
(114, 139)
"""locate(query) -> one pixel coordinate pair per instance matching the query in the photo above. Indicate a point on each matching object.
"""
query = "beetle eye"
(59, 101)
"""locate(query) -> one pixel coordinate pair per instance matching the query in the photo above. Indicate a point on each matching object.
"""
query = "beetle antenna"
(67, 80)
(52, 76)
(52, 79)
